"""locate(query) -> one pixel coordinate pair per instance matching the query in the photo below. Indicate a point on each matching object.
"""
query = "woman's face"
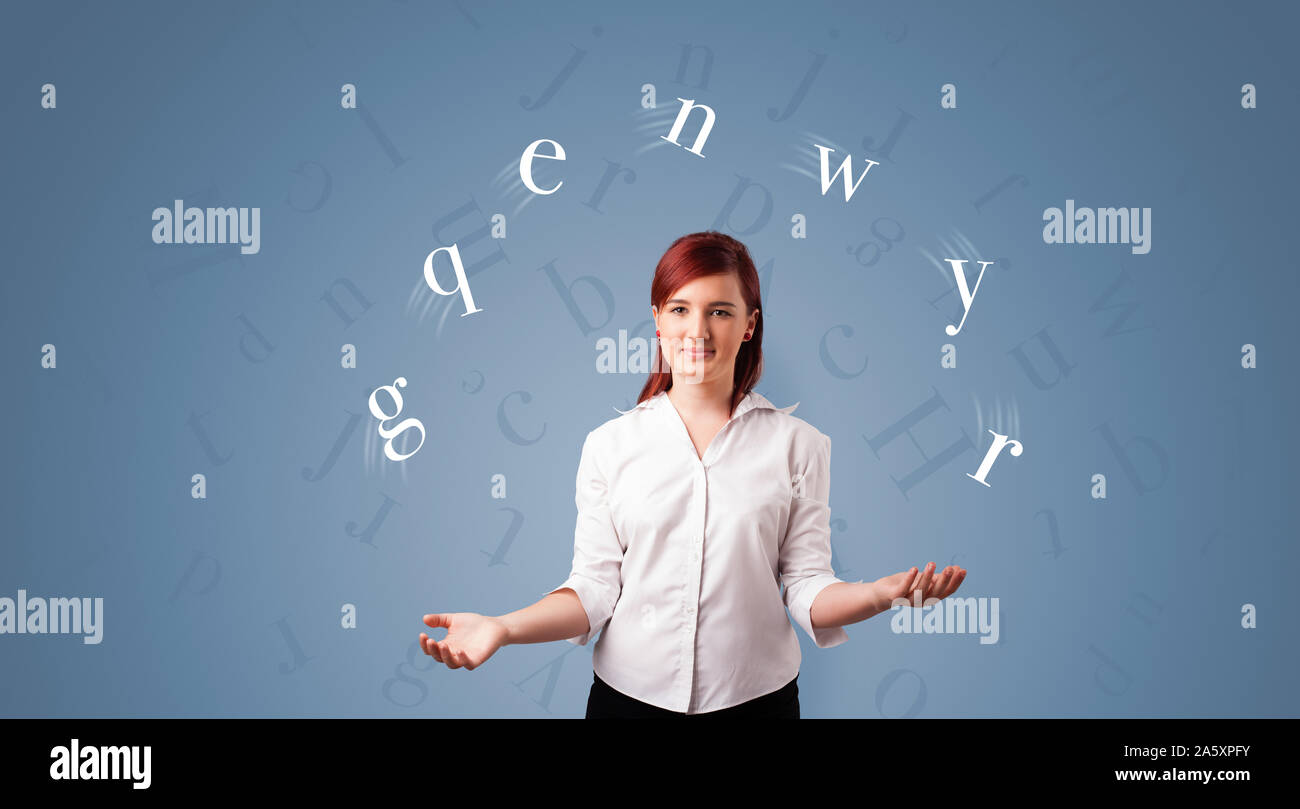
(702, 327)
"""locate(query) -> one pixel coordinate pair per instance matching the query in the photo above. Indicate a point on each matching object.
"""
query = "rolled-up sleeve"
(805, 556)
(597, 553)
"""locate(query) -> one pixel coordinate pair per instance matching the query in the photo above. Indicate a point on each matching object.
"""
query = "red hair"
(694, 256)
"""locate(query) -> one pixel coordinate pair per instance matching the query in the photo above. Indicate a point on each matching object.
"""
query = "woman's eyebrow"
(714, 303)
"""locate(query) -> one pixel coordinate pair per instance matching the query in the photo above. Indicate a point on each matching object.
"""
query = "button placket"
(701, 492)
(695, 538)
(692, 593)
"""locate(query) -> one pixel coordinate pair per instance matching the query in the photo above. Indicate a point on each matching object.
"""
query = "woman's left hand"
(918, 588)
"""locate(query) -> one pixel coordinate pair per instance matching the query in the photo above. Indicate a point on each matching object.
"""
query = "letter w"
(846, 167)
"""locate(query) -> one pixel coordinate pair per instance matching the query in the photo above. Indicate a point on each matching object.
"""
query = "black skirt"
(606, 703)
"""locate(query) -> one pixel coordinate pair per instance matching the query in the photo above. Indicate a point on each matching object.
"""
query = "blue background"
(230, 606)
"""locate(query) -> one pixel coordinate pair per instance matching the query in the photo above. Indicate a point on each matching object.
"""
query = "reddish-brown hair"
(694, 256)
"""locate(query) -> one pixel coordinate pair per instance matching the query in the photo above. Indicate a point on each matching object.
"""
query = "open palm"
(471, 639)
(918, 587)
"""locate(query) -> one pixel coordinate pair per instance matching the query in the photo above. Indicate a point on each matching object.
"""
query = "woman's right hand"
(471, 638)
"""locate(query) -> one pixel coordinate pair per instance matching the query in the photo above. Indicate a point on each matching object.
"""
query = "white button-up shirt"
(680, 559)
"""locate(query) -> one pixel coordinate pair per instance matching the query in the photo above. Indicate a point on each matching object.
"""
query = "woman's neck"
(703, 398)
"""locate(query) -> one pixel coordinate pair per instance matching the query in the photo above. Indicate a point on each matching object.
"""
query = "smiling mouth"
(694, 353)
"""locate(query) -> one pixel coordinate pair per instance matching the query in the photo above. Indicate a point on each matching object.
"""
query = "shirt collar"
(752, 401)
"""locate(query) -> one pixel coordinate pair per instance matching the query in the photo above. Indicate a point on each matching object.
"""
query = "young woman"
(694, 509)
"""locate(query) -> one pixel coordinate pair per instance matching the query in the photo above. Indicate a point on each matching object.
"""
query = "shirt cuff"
(593, 602)
(801, 611)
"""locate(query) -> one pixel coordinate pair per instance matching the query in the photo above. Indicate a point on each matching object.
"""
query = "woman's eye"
(677, 309)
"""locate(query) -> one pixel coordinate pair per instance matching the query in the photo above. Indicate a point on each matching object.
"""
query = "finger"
(444, 653)
(438, 619)
(924, 581)
(905, 586)
(957, 580)
(452, 662)
(927, 592)
(953, 582)
(424, 639)
(940, 584)
(431, 648)
(950, 579)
